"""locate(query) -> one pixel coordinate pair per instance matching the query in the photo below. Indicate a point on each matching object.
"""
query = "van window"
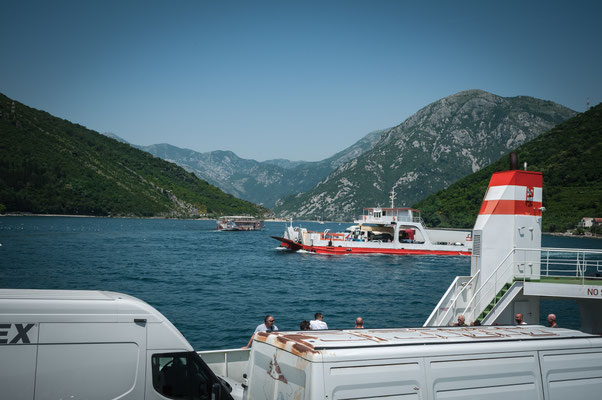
(181, 376)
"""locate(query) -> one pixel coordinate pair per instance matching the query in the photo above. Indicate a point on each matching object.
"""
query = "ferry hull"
(368, 250)
(294, 246)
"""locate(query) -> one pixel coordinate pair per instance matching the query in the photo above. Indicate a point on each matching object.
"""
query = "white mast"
(392, 196)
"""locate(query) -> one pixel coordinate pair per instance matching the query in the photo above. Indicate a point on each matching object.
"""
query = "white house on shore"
(588, 222)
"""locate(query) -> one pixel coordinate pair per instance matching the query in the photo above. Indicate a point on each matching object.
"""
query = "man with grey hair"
(267, 326)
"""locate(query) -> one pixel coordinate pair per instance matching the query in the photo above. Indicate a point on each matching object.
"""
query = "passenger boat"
(381, 230)
(239, 223)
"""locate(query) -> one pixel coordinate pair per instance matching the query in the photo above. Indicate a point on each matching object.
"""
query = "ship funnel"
(509, 218)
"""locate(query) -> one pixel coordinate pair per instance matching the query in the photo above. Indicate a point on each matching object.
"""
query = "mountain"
(114, 136)
(51, 166)
(441, 143)
(258, 182)
(569, 156)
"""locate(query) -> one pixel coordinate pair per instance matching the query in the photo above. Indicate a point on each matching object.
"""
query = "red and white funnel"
(510, 217)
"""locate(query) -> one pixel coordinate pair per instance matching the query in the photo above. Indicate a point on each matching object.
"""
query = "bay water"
(216, 287)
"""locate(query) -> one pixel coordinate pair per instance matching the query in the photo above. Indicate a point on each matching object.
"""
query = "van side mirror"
(216, 391)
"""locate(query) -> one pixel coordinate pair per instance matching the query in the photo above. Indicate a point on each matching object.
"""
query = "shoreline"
(100, 216)
(563, 234)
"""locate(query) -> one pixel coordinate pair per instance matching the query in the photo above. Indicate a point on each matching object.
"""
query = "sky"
(299, 80)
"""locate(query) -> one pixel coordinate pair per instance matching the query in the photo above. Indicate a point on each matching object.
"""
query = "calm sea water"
(217, 286)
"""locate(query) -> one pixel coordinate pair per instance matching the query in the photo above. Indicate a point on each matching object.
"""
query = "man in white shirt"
(317, 323)
(267, 326)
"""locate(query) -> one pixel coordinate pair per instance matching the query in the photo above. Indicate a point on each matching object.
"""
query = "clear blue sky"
(287, 79)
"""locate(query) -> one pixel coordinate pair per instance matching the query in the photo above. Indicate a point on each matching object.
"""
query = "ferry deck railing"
(231, 363)
(387, 219)
(559, 265)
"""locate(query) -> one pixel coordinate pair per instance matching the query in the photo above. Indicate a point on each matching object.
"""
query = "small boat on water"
(239, 223)
(381, 230)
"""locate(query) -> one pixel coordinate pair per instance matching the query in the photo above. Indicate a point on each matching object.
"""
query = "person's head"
(551, 319)
(268, 321)
(318, 316)
(304, 325)
(461, 320)
(518, 318)
(359, 322)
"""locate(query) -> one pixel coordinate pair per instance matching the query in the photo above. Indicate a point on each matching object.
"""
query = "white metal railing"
(583, 264)
(447, 298)
(449, 302)
(231, 363)
(454, 306)
(580, 264)
(388, 219)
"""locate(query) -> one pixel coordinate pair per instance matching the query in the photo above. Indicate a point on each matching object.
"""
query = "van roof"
(36, 294)
(308, 343)
(73, 306)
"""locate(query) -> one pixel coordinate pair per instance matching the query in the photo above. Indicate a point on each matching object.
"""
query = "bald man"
(552, 321)
(518, 318)
(359, 323)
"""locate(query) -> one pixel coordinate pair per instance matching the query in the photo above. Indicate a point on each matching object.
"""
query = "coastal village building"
(588, 222)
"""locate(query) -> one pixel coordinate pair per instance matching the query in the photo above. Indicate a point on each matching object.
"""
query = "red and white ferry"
(382, 230)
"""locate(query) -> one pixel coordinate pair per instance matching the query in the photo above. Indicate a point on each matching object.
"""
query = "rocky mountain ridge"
(441, 143)
(259, 182)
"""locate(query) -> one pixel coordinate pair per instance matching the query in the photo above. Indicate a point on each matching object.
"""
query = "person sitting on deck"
(359, 323)
(304, 326)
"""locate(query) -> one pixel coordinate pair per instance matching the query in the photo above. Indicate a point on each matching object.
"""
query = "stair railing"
(444, 300)
(454, 302)
(470, 315)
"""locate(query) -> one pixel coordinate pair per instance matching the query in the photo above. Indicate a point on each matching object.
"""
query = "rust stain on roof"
(301, 350)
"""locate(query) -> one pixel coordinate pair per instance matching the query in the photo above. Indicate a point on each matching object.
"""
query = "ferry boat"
(239, 223)
(381, 230)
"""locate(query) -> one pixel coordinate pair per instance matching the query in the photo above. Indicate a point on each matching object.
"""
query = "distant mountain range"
(51, 166)
(259, 182)
(570, 158)
(441, 143)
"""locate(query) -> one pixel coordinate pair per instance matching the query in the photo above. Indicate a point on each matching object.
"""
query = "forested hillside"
(570, 158)
(51, 166)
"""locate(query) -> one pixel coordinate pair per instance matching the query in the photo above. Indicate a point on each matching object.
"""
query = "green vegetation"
(570, 158)
(51, 166)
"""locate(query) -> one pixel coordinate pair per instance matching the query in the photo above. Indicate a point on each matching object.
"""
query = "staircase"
(493, 303)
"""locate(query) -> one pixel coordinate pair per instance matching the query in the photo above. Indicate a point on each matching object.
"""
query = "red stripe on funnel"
(517, 178)
(510, 207)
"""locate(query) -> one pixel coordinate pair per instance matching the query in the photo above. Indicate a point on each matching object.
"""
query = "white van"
(95, 345)
(480, 363)
(102, 345)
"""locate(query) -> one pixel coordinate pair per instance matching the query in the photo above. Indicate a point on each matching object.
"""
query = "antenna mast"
(392, 196)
